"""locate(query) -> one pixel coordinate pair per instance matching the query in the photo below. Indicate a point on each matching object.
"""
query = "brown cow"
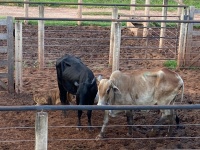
(141, 87)
(50, 97)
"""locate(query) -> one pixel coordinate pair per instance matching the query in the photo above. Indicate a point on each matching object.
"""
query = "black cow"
(76, 78)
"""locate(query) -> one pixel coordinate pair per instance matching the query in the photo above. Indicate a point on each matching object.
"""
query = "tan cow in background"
(141, 87)
(50, 97)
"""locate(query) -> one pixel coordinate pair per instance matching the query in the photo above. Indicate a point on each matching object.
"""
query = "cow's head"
(107, 91)
(86, 89)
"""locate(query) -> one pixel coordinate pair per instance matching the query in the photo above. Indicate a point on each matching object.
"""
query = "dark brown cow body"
(141, 87)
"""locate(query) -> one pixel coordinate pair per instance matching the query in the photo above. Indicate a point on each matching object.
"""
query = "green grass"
(74, 23)
(172, 64)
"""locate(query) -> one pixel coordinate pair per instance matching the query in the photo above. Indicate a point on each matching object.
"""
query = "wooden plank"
(3, 85)
(3, 49)
(195, 43)
(10, 44)
(3, 63)
(3, 75)
(3, 36)
(2, 22)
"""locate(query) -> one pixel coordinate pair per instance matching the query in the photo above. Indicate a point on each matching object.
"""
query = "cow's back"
(147, 87)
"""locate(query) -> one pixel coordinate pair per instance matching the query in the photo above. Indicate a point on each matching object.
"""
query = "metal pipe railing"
(97, 107)
(106, 20)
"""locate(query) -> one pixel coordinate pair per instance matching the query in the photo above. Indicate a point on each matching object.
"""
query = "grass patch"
(172, 64)
(73, 23)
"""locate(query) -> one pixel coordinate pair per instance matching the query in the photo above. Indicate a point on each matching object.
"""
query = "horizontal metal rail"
(96, 107)
(90, 4)
(106, 20)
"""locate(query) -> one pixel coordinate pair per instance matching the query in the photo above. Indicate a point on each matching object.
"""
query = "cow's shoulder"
(69, 60)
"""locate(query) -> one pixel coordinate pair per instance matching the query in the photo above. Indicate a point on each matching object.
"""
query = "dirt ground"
(17, 128)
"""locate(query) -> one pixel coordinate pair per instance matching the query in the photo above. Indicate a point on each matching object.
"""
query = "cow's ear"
(108, 90)
(116, 90)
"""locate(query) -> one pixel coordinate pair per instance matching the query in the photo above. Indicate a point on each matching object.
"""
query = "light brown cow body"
(141, 87)
(50, 97)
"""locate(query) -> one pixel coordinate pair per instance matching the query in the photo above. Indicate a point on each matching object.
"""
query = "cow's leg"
(129, 116)
(63, 97)
(105, 122)
(79, 120)
(89, 115)
(166, 115)
(178, 125)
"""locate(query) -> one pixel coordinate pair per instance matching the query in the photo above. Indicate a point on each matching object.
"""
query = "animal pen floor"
(17, 128)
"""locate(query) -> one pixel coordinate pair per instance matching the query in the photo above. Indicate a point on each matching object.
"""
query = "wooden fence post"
(26, 11)
(146, 24)
(132, 8)
(114, 16)
(41, 38)
(116, 46)
(10, 50)
(182, 40)
(163, 24)
(41, 131)
(18, 57)
(79, 13)
(179, 10)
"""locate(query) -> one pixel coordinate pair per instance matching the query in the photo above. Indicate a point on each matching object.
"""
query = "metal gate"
(7, 54)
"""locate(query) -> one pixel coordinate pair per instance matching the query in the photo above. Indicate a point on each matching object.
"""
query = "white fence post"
(26, 11)
(132, 8)
(146, 24)
(41, 37)
(10, 53)
(182, 41)
(18, 57)
(41, 131)
(114, 16)
(163, 24)
(116, 46)
(79, 13)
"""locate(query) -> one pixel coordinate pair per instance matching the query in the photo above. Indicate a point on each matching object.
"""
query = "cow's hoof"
(129, 134)
(78, 128)
(151, 133)
(180, 126)
(91, 129)
(99, 137)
